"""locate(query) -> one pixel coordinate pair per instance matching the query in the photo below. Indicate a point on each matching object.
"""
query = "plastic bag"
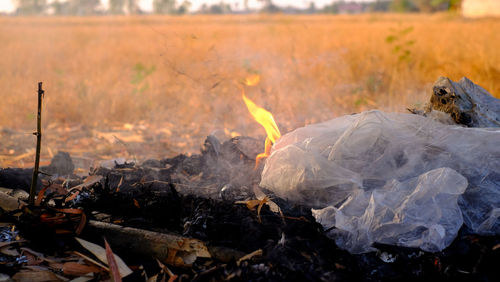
(360, 167)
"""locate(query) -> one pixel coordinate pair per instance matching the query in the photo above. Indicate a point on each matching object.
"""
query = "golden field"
(184, 74)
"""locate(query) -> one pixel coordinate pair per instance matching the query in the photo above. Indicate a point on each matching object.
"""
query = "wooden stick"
(168, 248)
(38, 134)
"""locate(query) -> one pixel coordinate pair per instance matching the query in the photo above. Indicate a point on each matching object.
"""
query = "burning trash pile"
(393, 178)
(398, 179)
(361, 197)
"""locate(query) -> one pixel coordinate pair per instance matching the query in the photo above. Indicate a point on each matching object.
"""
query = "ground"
(176, 79)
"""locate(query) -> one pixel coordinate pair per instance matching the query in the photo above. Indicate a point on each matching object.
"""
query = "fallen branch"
(168, 248)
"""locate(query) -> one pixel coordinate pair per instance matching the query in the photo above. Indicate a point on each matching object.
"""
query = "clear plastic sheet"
(391, 178)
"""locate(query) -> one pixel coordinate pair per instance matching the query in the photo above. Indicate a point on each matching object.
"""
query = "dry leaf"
(274, 207)
(77, 269)
(70, 211)
(57, 188)
(100, 253)
(9, 203)
(36, 267)
(36, 254)
(57, 266)
(119, 184)
(262, 200)
(10, 251)
(249, 256)
(339, 266)
(40, 196)
(35, 276)
(4, 244)
(136, 203)
(32, 259)
(251, 204)
(89, 181)
(258, 193)
(167, 271)
(81, 225)
(172, 278)
(63, 216)
(91, 260)
(72, 196)
(113, 267)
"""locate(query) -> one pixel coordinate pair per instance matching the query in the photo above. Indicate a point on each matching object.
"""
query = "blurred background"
(152, 78)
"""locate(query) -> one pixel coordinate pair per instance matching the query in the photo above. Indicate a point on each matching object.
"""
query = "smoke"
(176, 79)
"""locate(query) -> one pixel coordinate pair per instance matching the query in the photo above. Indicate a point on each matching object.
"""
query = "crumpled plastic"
(391, 178)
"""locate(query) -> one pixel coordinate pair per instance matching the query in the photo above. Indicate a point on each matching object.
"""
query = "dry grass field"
(183, 74)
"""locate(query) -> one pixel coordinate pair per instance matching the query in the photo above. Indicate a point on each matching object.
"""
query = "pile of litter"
(136, 207)
(386, 182)
(391, 178)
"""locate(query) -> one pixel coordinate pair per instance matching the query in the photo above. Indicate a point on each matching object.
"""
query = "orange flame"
(265, 119)
(252, 80)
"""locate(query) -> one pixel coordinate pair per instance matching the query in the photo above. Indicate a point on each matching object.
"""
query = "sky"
(146, 5)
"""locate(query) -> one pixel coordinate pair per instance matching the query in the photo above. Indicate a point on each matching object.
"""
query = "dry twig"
(38, 135)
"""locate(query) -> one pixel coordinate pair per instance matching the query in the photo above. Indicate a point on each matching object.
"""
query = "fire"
(252, 80)
(264, 118)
